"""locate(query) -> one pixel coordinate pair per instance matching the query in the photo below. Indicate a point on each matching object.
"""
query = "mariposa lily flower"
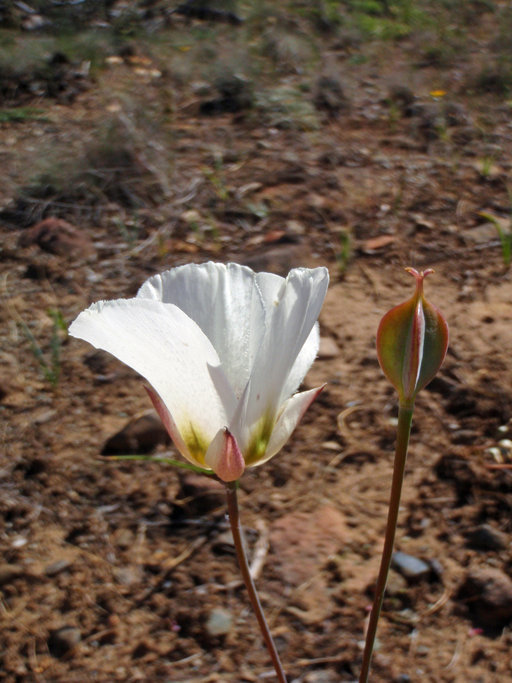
(224, 350)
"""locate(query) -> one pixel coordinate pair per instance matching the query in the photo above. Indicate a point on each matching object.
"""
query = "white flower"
(224, 349)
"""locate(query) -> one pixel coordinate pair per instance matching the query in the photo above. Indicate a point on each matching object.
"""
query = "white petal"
(166, 347)
(290, 416)
(226, 303)
(170, 425)
(279, 368)
(303, 362)
(270, 286)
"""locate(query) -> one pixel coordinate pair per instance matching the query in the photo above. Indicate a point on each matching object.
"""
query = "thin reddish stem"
(402, 443)
(234, 520)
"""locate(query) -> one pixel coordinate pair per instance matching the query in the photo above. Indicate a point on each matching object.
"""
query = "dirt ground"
(122, 571)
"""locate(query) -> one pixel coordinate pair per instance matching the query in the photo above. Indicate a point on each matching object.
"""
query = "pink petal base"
(170, 425)
(225, 457)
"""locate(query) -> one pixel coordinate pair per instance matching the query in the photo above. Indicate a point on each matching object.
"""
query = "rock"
(455, 114)
(328, 349)
(34, 22)
(42, 418)
(458, 470)
(57, 236)
(124, 538)
(41, 269)
(64, 639)
(201, 10)
(396, 585)
(486, 537)
(481, 234)
(223, 543)
(57, 567)
(487, 594)
(437, 568)
(235, 95)
(302, 543)
(464, 436)
(141, 435)
(219, 622)
(327, 676)
(200, 495)
(330, 97)
(9, 572)
(191, 217)
(429, 119)
(127, 576)
(411, 568)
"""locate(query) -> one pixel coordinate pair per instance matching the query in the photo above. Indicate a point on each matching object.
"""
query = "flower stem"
(234, 520)
(403, 432)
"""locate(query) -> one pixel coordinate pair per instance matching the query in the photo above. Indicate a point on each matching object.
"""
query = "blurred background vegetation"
(278, 65)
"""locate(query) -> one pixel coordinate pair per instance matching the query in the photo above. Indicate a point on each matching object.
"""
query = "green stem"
(402, 442)
(234, 520)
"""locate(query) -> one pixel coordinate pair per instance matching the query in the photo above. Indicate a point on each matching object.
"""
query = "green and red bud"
(412, 340)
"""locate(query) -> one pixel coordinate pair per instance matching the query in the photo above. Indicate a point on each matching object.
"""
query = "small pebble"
(328, 348)
(202, 494)
(487, 594)
(140, 435)
(327, 676)
(63, 640)
(19, 542)
(124, 538)
(437, 568)
(396, 585)
(57, 567)
(224, 542)
(219, 622)
(410, 567)
(486, 537)
(127, 576)
(9, 572)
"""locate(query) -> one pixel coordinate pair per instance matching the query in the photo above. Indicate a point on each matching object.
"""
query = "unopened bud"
(412, 340)
(224, 456)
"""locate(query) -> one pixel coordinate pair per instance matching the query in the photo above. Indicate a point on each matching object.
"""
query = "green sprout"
(504, 235)
(49, 363)
(344, 255)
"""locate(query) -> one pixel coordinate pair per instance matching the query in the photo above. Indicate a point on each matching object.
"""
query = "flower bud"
(224, 456)
(412, 340)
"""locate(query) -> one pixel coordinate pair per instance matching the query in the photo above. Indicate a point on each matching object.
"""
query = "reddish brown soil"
(135, 556)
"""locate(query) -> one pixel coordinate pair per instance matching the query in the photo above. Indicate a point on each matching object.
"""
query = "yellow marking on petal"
(261, 434)
(195, 442)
